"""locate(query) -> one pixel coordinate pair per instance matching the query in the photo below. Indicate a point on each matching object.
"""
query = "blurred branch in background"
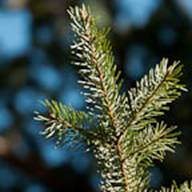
(55, 179)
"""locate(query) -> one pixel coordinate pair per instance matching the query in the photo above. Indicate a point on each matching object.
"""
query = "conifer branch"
(153, 142)
(63, 120)
(93, 54)
(162, 85)
(152, 95)
(124, 132)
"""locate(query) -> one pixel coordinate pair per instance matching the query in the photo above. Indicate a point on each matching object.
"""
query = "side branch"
(155, 139)
(152, 95)
(62, 120)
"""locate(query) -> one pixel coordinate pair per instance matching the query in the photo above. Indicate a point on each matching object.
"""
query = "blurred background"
(35, 64)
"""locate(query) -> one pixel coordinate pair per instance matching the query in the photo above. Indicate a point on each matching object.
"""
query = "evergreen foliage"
(122, 130)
